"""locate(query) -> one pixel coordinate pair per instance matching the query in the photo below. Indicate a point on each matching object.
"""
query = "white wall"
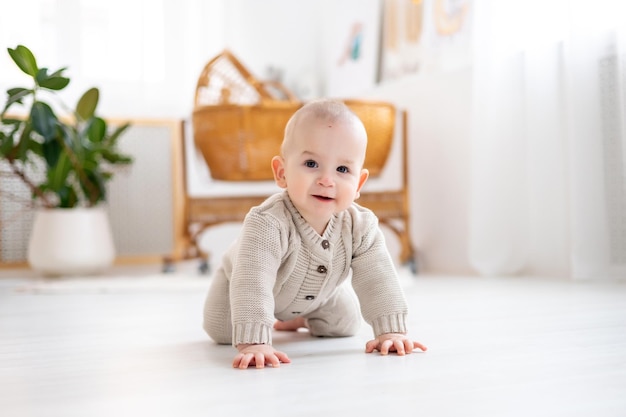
(439, 108)
(274, 33)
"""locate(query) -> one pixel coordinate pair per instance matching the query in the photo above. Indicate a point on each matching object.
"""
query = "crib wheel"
(204, 267)
(168, 267)
(412, 264)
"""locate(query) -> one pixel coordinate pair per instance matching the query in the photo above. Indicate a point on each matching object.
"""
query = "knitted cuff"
(393, 323)
(251, 333)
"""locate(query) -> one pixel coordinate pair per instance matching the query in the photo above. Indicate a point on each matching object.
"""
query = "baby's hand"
(258, 355)
(393, 342)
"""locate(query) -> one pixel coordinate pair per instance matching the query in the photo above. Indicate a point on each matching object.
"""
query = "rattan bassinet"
(238, 122)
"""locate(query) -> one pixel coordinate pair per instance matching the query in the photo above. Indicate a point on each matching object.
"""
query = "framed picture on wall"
(401, 46)
(351, 45)
(421, 34)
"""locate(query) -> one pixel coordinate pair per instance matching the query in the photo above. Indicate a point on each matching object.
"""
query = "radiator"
(144, 201)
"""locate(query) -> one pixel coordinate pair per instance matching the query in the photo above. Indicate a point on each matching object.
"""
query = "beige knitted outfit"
(280, 268)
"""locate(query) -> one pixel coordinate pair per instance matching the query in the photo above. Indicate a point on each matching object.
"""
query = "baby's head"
(321, 161)
(322, 111)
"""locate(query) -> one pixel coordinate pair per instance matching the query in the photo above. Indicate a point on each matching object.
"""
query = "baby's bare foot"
(290, 325)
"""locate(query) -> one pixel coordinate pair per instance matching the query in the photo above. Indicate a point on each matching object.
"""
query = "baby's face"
(323, 168)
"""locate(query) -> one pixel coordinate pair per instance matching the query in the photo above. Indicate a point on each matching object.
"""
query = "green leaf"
(57, 173)
(51, 152)
(117, 132)
(97, 190)
(24, 59)
(6, 144)
(87, 104)
(26, 143)
(36, 148)
(58, 73)
(18, 91)
(69, 134)
(9, 137)
(96, 130)
(116, 158)
(44, 120)
(51, 82)
(90, 164)
(67, 197)
(15, 96)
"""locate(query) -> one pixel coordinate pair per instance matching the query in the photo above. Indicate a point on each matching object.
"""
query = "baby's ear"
(362, 178)
(278, 168)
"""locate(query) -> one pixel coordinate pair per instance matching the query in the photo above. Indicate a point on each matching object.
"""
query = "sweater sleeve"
(255, 266)
(375, 279)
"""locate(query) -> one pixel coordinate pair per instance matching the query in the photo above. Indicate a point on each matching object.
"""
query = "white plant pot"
(75, 241)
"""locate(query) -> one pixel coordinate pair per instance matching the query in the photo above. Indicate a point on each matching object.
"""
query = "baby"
(289, 267)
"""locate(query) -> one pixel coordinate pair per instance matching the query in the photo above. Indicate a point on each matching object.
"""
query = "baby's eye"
(343, 169)
(310, 164)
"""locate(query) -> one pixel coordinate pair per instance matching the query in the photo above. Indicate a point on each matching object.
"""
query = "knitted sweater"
(280, 268)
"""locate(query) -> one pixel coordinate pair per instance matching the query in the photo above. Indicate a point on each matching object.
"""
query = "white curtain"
(144, 55)
(548, 187)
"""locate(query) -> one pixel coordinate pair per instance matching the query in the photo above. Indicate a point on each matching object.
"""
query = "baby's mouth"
(322, 197)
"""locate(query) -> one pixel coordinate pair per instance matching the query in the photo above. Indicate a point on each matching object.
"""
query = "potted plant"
(65, 162)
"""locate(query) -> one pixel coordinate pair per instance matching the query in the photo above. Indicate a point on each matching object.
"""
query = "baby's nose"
(325, 180)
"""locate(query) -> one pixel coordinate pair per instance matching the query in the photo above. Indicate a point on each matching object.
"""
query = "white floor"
(133, 346)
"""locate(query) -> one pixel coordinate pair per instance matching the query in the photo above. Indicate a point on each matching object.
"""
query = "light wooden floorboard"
(497, 347)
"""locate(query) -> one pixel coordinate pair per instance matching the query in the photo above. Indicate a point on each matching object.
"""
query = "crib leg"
(412, 264)
(168, 266)
(204, 268)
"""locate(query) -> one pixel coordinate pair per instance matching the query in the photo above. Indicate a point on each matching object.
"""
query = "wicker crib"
(238, 124)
